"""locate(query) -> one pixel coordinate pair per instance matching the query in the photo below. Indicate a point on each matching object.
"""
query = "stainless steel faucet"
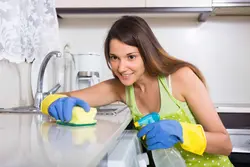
(39, 93)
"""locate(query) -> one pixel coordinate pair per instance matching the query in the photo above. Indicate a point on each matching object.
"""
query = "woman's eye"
(113, 57)
(131, 57)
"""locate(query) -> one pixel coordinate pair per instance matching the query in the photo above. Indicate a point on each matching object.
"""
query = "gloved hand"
(162, 135)
(61, 109)
(60, 106)
(166, 133)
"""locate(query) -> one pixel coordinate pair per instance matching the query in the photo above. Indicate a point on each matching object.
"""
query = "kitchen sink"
(111, 109)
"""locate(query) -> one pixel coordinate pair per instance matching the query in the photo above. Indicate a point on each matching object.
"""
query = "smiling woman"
(148, 80)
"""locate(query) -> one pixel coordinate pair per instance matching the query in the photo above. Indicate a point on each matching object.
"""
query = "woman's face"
(126, 62)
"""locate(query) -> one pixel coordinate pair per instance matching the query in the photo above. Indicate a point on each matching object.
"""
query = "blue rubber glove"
(162, 135)
(61, 109)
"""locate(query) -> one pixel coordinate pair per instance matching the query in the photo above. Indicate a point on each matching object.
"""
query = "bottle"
(162, 157)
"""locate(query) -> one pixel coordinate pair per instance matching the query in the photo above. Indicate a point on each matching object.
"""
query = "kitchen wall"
(220, 47)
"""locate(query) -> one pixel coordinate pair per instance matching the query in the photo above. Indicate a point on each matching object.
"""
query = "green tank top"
(174, 109)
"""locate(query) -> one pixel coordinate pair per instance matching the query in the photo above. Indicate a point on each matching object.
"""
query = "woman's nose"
(122, 66)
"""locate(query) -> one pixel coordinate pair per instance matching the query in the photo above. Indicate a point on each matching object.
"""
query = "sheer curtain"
(28, 31)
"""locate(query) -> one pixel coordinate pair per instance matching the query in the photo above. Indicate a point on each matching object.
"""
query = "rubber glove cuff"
(194, 139)
(47, 101)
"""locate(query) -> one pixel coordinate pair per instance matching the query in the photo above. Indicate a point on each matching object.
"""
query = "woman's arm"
(194, 92)
(103, 93)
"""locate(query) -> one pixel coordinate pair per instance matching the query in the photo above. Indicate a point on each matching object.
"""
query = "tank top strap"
(168, 86)
(131, 103)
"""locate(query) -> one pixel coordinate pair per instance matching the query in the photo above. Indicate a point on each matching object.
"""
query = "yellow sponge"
(81, 118)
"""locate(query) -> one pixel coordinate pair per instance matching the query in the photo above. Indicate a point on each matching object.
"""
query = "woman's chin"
(127, 83)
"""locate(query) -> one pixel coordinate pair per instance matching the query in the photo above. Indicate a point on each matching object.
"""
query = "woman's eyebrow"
(131, 53)
(112, 54)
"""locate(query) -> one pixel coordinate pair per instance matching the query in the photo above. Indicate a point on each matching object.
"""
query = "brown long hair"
(134, 31)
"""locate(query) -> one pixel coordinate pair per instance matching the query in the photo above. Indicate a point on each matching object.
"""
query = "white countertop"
(31, 140)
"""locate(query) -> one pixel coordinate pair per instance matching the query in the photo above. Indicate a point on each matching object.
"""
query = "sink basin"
(112, 109)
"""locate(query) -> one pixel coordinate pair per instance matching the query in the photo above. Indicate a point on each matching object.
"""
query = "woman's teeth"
(125, 76)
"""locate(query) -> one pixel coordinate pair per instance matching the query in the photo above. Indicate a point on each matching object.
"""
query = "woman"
(148, 80)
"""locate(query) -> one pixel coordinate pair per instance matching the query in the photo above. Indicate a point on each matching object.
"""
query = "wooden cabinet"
(99, 3)
(178, 3)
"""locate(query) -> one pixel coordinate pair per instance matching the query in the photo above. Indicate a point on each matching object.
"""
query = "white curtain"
(28, 31)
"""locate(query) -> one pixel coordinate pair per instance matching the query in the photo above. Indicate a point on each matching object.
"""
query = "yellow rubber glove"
(194, 139)
(165, 134)
(47, 101)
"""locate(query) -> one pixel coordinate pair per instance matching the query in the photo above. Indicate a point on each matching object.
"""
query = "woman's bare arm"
(103, 93)
(196, 95)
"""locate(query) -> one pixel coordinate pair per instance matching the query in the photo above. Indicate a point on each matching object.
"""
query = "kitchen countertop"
(34, 140)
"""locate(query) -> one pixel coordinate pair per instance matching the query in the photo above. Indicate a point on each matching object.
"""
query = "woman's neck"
(145, 83)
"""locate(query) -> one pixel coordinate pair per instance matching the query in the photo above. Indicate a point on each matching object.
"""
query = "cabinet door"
(99, 3)
(178, 3)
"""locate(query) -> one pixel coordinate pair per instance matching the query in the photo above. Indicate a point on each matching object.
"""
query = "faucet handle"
(52, 91)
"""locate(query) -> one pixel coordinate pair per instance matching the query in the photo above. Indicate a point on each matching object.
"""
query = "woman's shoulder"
(183, 80)
(184, 75)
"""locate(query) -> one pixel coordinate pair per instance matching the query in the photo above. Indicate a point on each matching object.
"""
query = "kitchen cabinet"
(178, 3)
(200, 9)
(99, 3)
(131, 3)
